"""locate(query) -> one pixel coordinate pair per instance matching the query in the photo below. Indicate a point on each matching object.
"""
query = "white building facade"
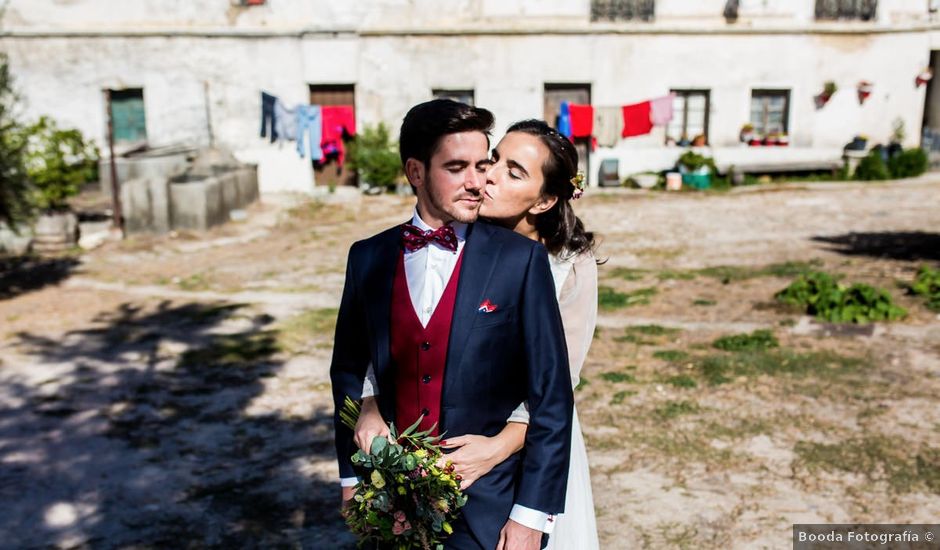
(198, 67)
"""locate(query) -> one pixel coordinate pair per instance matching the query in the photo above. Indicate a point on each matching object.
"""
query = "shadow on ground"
(125, 440)
(21, 274)
(896, 245)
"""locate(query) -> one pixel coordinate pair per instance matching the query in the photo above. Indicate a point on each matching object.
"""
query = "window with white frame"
(770, 111)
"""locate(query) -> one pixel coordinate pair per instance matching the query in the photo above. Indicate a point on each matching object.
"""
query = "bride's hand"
(370, 424)
(475, 456)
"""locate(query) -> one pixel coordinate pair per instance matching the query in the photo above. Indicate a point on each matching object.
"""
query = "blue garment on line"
(309, 125)
(564, 120)
(268, 118)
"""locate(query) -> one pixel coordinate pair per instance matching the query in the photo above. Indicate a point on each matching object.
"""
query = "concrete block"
(196, 205)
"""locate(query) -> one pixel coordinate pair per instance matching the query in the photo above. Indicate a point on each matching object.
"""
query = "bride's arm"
(476, 455)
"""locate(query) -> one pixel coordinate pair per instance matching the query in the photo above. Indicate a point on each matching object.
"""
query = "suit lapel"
(378, 294)
(479, 260)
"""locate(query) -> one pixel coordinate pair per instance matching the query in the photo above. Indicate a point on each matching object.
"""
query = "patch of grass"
(652, 330)
(757, 340)
(232, 350)
(620, 396)
(671, 355)
(616, 377)
(300, 331)
(610, 299)
(670, 275)
(195, 282)
(674, 409)
(731, 273)
(628, 273)
(704, 303)
(682, 381)
(903, 465)
(719, 369)
(581, 383)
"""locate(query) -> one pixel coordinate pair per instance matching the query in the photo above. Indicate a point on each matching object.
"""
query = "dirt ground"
(174, 390)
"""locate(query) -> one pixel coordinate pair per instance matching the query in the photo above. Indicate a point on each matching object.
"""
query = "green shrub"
(908, 164)
(375, 157)
(15, 206)
(872, 167)
(58, 163)
(927, 283)
(692, 161)
(820, 295)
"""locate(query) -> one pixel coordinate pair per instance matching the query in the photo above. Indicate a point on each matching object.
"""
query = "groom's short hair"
(426, 123)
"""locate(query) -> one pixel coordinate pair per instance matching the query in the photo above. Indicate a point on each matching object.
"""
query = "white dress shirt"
(427, 271)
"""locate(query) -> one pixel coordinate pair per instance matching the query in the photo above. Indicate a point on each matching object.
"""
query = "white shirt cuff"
(348, 481)
(533, 519)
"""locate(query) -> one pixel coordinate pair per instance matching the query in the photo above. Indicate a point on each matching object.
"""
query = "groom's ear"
(414, 171)
(544, 204)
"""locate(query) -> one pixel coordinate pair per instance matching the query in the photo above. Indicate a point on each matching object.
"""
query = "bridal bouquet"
(406, 500)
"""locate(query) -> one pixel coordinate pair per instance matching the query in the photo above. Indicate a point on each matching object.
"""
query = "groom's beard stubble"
(463, 208)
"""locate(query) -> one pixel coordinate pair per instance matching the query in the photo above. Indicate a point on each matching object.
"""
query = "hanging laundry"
(285, 121)
(309, 125)
(661, 110)
(268, 117)
(582, 120)
(636, 119)
(563, 122)
(339, 121)
(607, 125)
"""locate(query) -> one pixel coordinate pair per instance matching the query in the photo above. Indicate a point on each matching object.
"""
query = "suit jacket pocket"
(498, 317)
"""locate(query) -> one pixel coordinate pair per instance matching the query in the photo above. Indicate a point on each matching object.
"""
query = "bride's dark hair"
(559, 228)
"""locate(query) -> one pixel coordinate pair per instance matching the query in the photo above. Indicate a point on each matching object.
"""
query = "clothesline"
(604, 125)
(322, 127)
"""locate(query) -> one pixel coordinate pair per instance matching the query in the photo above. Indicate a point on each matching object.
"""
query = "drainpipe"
(118, 218)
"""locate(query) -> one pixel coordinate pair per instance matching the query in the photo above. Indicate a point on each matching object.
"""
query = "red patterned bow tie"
(413, 238)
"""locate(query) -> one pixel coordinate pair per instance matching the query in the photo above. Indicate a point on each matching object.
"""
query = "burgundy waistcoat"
(419, 353)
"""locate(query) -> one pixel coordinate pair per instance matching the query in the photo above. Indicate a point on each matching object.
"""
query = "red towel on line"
(337, 119)
(636, 119)
(582, 120)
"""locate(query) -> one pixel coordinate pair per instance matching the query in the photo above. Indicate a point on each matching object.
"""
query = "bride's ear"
(544, 204)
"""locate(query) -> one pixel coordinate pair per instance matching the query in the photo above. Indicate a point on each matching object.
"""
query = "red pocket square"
(487, 306)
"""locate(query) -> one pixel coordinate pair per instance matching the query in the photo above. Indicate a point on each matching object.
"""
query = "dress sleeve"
(578, 305)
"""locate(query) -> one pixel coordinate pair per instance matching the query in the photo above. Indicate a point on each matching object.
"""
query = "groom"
(459, 322)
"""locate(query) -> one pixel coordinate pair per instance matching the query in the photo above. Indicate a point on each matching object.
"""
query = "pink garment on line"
(661, 110)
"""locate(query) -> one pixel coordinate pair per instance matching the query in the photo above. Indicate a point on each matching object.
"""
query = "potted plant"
(865, 89)
(924, 77)
(829, 89)
(858, 143)
(782, 139)
(375, 158)
(58, 163)
(747, 133)
(696, 169)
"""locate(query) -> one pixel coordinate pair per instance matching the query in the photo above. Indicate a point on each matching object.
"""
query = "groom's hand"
(516, 536)
(348, 493)
(370, 425)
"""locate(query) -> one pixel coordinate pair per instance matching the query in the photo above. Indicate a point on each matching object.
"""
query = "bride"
(530, 183)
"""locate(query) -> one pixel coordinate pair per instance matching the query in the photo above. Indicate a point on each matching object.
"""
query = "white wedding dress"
(576, 289)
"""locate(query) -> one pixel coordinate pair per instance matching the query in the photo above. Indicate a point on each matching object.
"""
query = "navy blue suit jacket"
(495, 361)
